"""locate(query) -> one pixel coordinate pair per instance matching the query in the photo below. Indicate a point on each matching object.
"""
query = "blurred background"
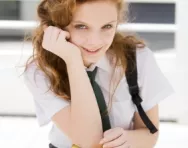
(161, 23)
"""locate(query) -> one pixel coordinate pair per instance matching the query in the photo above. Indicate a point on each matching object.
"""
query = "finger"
(63, 36)
(67, 34)
(116, 132)
(112, 130)
(55, 34)
(112, 136)
(115, 143)
(47, 37)
(108, 131)
(125, 145)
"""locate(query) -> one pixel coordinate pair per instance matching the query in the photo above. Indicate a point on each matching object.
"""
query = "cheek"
(108, 38)
(77, 39)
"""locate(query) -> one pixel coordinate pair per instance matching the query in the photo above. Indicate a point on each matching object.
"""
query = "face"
(93, 28)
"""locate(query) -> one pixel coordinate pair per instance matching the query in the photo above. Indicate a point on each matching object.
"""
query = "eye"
(80, 26)
(108, 26)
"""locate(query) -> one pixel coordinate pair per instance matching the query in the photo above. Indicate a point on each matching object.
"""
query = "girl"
(77, 36)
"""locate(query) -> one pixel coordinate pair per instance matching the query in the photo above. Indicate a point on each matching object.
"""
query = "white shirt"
(153, 85)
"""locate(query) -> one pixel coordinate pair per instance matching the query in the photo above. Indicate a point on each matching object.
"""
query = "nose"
(94, 40)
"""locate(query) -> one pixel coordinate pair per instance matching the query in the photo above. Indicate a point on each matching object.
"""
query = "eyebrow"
(87, 24)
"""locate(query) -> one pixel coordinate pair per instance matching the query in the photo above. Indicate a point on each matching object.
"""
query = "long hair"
(50, 13)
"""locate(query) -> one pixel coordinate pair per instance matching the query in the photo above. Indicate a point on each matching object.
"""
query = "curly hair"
(50, 13)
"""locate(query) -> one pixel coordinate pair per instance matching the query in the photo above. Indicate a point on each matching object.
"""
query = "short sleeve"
(154, 86)
(46, 102)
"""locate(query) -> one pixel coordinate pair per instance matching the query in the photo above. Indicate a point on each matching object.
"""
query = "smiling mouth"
(92, 51)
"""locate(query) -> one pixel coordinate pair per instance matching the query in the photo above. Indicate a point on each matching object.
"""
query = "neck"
(87, 64)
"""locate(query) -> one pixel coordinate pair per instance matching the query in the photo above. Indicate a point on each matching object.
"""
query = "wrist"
(75, 63)
(74, 60)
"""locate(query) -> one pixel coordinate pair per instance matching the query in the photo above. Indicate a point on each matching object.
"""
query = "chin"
(90, 61)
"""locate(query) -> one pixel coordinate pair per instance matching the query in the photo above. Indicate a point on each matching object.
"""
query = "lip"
(92, 52)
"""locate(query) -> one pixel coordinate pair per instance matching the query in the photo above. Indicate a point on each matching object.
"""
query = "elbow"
(155, 138)
(152, 141)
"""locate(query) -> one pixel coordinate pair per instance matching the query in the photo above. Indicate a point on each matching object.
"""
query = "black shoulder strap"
(131, 75)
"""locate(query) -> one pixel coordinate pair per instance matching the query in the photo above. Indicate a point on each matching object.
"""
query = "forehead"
(96, 12)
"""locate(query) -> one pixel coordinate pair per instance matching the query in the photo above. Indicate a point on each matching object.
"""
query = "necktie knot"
(92, 74)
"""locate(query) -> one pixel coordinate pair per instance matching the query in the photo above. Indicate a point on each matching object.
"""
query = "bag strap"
(131, 75)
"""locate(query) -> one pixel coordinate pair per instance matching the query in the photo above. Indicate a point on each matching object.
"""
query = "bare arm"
(81, 121)
(140, 130)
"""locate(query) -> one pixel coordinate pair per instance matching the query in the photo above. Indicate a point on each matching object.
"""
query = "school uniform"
(153, 86)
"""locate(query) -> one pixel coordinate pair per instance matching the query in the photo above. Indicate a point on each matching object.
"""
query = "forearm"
(142, 138)
(86, 126)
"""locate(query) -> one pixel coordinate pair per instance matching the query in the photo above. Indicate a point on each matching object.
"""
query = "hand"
(55, 41)
(115, 138)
